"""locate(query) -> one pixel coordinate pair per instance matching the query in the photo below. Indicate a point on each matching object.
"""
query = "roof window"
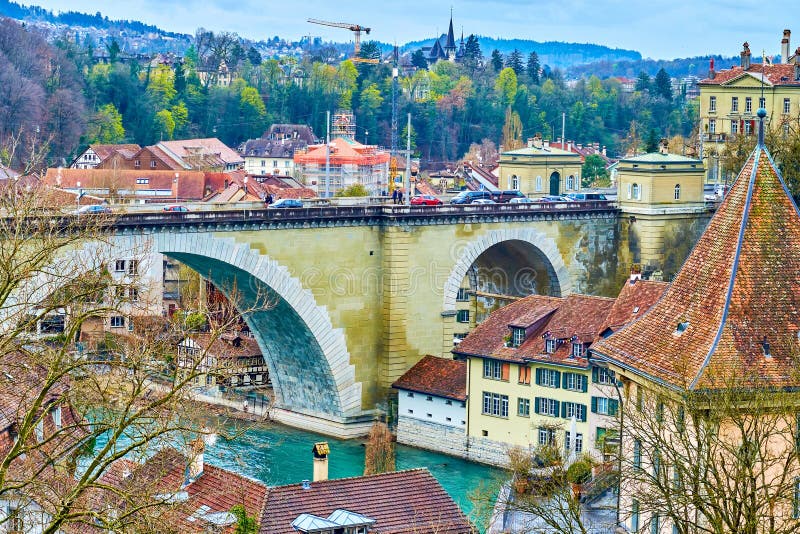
(681, 328)
(765, 347)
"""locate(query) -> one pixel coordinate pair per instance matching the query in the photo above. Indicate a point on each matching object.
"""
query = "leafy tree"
(532, 69)
(165, 124)
(113, 51)
(594, 171)
(643, 82)
(254, 56)
(512, 131)
(497, 60)
(418, 60)
(514, 61)
(506, 86)
(245, 524)
(161, 86)
(252, 111)
(663, 85)
(356, 190)
(179, 80)
(106, 126)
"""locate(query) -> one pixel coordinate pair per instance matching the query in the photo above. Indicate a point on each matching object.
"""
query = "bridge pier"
(395, 307)
(337, 427)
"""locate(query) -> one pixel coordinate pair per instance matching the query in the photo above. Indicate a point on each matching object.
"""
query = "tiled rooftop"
(401, 502)
(436, 376)
(739, 286)
(781, 74)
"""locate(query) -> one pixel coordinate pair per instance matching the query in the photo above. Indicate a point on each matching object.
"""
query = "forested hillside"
(495, 97)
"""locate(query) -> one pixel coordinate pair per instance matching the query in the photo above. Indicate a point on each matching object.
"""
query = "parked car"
(554, 198)
(522, 200)
(580, 197)
(425, 200)
(506, 196)
(483, 201)
(468, 197)
(176, 208)
(287, 203)
(92, 208)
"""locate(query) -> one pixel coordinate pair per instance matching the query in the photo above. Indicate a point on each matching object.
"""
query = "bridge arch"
(307, 357)
(544, 247)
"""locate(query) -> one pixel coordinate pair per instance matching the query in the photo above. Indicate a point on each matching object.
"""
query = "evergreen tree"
(497, 60)
(113, 51)
(370, 50)
(643, 82)
(533, 68)
(514, 61)
(651, 142)
(663, 85)
(472, 52)
(418, 60)
(254, 56)
(180, 78)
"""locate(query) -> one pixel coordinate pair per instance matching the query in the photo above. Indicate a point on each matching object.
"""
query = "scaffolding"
(350, 163)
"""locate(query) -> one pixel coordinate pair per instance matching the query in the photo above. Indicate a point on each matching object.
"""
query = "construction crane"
(355, 28)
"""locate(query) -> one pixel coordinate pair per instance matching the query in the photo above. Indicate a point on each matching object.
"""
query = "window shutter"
(594, 404)
(583, 413)
(536, 404)
(557, 408)
(564, 380)
(595, 372)
(505, 371)
(527, 375)
(564, 410)
(538, 377)
(613, 404)
(557, 381)
(584, 383)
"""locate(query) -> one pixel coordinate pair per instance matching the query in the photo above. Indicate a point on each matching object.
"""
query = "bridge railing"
(362, 211)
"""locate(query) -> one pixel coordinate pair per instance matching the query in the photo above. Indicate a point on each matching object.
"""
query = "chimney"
(636, 273)
(321, 451)
(663, 146)
(546, 143)
(745, 55)
(195, 468)
(711, 72)
(530, 142)
(787, 34)
(604, 151)
(569, 146)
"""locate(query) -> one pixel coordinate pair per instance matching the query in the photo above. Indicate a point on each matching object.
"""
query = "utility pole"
(395, 73)
(327, 154)
(563, 129)
(408, 162)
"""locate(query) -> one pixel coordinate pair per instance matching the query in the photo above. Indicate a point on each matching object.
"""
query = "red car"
(425, 200)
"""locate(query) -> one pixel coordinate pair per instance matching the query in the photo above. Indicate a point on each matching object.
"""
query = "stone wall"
(450, 440)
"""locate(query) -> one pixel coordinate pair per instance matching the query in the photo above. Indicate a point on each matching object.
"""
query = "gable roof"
(739, 286)
(189, 149)
(575, 316)
(103, 151)
(779, 74)
(400, 502)
(633, 301)
(436, 376)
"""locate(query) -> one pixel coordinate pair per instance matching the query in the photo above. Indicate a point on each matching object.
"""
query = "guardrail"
(350, 212)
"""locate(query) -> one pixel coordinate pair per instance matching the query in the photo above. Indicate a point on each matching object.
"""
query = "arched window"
(635, 191)
(677, 191)
(515, 182)
(538, 183)
(570, 182)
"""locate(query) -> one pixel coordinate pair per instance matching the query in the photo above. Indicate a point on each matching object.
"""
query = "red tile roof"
(189, 149)
(579, 316)
(739, 285)
(780, 74)
(634, 299)
(436, 376)
(225, 345)
(401, 502)
(103, 151)
(190, 183)
(342, 152)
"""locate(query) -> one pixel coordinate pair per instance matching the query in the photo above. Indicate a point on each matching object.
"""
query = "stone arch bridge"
(361, 293)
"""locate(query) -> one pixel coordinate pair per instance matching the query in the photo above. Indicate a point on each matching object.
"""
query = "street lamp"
(80, 194)
(177, 175)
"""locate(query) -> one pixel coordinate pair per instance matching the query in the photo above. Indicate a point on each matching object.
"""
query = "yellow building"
(653, 183)
(730, 98)
(717, 353)
(529, 382)
(540, 170)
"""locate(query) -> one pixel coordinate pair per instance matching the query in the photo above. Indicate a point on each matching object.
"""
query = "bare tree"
(379, 456)
(71, 408)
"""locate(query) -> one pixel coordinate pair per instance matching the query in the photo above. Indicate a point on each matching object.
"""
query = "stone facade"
(431, 436)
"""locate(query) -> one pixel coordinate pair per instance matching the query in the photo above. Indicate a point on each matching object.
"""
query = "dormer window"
(517, 336)
(578, 350)
(550, 345)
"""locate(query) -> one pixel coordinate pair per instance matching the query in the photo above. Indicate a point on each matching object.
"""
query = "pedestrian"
(400, 197)
(394, 196)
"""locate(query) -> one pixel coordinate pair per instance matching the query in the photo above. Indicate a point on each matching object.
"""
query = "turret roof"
(734, 307)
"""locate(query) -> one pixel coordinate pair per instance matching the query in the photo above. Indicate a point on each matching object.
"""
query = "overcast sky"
(661, 30)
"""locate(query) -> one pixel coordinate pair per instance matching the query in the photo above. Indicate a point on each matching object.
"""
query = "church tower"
(450, 46)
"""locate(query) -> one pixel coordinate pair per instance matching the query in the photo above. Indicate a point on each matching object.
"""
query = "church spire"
(451, 40)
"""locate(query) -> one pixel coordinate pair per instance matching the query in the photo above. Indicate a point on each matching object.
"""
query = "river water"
(276, 455)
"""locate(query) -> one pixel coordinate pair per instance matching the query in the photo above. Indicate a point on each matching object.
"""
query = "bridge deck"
(369, 214)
